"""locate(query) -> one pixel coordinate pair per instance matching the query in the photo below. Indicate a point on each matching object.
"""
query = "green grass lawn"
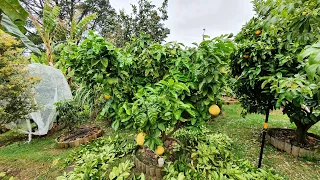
(35, 160)
(246, 132)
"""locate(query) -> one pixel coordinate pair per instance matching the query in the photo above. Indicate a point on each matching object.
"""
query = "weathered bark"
(302, 131)
(178, 126)
(301, 134)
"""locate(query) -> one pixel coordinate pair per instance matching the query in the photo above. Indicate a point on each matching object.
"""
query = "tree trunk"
(301, 134)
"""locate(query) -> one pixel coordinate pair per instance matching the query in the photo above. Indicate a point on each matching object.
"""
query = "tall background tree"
(146, 18)
(117, 27)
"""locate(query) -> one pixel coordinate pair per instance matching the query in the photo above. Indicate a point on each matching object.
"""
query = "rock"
(295, 151)
(287, 147)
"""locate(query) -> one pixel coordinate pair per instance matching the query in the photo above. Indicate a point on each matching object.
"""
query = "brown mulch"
(147, 156)
(78, 133)
(288, 135)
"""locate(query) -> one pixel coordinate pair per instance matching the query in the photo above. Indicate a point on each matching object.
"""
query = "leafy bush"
(93, 160)
(152, 87)
(211, 158)
(158, 108)
(122, 171)
(16, 97)
(72, 114)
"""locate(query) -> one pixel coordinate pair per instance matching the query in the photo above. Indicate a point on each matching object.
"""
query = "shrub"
(211, 158)
(16, 97)
(92, 160)
(71, 114)
(122, 72)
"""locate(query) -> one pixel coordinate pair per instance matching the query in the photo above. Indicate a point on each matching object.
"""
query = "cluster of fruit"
(140, 141)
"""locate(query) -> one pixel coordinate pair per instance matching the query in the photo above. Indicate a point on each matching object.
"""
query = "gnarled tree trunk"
(302, 131)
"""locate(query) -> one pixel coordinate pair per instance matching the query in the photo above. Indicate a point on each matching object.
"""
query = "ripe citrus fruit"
(236, 76)
(159, 151)
(214, 110)
(245, 56)
(140, 138)
(258, 32)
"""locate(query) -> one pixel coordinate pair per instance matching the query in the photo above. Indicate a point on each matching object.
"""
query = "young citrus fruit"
(258, 32)
(159, 151)
(214, 110)
(140, 138)
(107, 97)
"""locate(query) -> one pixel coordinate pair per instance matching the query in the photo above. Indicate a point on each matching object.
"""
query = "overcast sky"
(188, 18)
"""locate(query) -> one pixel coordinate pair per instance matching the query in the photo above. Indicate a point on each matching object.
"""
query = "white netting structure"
(52, 88)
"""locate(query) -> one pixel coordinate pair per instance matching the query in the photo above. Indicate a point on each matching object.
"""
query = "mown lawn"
(246, 133)
(35, 160)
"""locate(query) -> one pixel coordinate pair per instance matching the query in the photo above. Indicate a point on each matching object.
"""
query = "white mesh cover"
(52, 88)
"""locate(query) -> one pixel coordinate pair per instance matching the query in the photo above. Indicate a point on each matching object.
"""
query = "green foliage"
(53, 30)
(211, 158)
(144, 18)
(48, 27)
(122, 171)
(93, 160)
(92, 165)
(72, 114)
(89, 60)
(312, 54)
(78, 28)
(268, 62)
(15, 12)
(15, 83)
(12, 20)
(152, 87)
(272, 53)
(156, 109)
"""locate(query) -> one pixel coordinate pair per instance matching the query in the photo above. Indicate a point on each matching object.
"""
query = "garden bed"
(284, 139)
(79, 136)
(151, 171)
(146, 161)
(56, 128)
(230, 100)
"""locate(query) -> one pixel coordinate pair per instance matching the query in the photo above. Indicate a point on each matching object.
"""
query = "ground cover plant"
(209, 157)
(244, 134)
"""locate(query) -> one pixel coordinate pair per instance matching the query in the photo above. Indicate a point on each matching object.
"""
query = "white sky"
(188, 18)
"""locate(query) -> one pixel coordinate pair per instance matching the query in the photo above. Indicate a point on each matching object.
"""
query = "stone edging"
(296, 151)
(79, 141)
(153, 172)
(56, 129)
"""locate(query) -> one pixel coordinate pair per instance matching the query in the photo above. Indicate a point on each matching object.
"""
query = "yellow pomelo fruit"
(107, 97)
(214, 110)
(159, 151)
(140, 138)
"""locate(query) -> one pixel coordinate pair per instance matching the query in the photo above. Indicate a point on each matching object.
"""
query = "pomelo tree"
(267, 61)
